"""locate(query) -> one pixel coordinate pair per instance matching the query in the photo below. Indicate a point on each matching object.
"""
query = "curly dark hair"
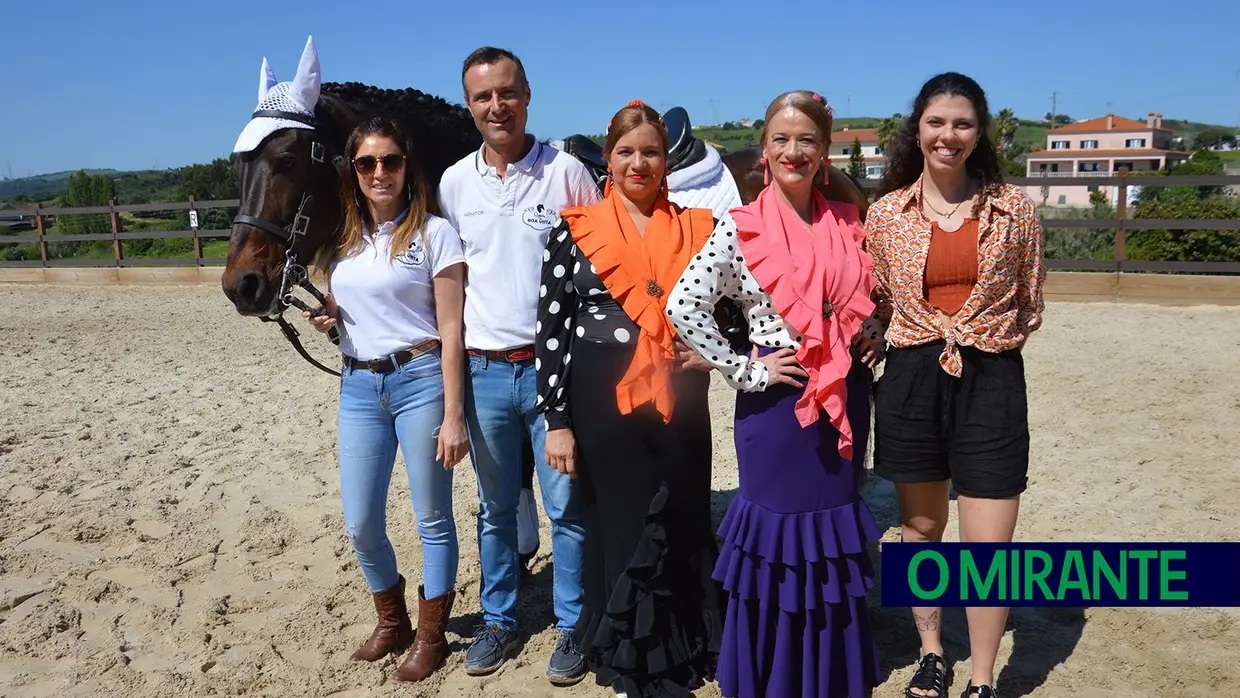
(906, 163)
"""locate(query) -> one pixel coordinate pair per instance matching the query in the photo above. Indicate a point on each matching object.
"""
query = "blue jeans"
(499, 405)
(378, 412)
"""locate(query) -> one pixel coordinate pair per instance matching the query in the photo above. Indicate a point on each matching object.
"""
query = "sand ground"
(170, 522)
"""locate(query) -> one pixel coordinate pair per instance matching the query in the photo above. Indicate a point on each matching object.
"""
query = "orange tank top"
(951, 266)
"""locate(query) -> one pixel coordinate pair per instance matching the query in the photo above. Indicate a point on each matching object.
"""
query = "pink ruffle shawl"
(809, 275)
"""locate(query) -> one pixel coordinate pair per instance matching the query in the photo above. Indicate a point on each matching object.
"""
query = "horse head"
(286, 160)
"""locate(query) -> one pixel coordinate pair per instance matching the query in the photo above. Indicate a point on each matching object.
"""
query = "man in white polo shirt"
(503, 200)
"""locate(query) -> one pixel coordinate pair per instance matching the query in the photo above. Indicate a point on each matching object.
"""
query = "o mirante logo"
(1061, 574)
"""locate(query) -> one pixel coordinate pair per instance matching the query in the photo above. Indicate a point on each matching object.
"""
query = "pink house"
(1098, 148)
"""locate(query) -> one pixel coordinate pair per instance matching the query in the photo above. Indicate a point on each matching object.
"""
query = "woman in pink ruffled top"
(793, 561)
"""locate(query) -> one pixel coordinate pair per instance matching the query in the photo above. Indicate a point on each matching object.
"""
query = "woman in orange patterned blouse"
(959, 270)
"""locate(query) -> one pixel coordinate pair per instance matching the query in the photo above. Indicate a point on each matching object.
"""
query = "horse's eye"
(285, 163)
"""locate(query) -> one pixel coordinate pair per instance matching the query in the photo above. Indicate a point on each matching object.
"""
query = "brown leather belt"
(391, 362)
(511, 356)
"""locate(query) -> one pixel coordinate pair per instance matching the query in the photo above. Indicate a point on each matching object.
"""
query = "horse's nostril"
(252, 288)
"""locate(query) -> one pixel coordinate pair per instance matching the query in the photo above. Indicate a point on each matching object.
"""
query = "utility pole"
(714, 111)
(1054, 105)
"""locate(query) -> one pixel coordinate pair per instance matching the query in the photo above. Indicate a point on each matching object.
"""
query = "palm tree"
(1005, 127)
(887, 130)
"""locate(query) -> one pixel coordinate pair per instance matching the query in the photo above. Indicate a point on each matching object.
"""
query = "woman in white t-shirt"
(396, 293)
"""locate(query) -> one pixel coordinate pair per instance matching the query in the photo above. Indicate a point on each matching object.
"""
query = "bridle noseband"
(295, 273)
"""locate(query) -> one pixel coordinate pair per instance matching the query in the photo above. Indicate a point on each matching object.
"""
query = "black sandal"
(933, 674)
(979, 691)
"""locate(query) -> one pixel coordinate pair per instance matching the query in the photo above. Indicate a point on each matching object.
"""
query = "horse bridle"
(295, 273)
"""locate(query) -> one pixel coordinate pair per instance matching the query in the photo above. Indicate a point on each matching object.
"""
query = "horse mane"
(442, 132)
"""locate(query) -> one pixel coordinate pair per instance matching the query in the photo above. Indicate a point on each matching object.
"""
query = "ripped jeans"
(378, 412)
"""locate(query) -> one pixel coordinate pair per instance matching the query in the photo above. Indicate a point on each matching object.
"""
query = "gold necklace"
(922, 192)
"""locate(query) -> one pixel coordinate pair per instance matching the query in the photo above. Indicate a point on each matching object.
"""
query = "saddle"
(684, 149)
(590, 154)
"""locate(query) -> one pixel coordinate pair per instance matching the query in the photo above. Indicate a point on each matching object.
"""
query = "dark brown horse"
(277, 227)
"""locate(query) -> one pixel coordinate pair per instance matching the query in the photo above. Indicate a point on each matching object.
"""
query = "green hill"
(39, 187)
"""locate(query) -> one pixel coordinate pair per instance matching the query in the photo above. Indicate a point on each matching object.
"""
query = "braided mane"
(441, 131)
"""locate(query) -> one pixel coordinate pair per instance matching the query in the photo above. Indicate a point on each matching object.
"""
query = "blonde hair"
(808, 103)
(357, 214)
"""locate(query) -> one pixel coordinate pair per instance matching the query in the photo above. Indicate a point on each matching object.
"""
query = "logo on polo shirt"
(414, 256)
(540, 218)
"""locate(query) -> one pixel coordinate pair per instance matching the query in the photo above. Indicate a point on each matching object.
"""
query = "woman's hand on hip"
(453, 442)
(687, 358)
(562, 451)
(331, 313)
(781, 367)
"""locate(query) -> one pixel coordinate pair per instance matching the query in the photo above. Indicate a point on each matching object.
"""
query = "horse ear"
(306, 84)
(266, 79)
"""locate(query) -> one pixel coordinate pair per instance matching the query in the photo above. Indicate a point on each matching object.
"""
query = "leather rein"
(291, 236)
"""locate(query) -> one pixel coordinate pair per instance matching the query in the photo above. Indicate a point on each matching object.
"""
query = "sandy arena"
(170, 522)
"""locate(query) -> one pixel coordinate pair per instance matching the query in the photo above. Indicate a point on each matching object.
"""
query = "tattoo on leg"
(927, 622)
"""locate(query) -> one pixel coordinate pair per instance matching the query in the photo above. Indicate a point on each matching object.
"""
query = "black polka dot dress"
(645, 489)
(573, 307)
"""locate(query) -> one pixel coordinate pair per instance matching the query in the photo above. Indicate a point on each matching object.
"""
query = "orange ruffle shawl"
(638, 271)
(819, 283)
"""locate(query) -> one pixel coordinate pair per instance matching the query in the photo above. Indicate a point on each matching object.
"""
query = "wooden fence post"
(1121, 212)
(193, 227)
(116, 241)
(38, 222)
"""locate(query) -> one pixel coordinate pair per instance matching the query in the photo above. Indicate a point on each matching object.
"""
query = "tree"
(84, 190)
(1213, 137)
(212, 181)
(1083, 243)
(888, 129)
(1194, 203)
(856, 161)
(1005, 126)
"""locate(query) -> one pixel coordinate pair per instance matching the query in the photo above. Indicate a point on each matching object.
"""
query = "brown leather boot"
(431, 645)
(394, 631)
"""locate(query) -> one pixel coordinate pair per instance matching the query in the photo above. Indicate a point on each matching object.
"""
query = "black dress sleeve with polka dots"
(573, 306)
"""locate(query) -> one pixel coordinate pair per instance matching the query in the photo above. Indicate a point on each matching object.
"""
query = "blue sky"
(135, 85)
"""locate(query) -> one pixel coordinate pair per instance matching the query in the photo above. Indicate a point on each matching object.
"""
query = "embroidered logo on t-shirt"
(414, 256)
(540, 218)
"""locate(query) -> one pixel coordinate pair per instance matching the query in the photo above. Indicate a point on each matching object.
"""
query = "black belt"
(391, 362)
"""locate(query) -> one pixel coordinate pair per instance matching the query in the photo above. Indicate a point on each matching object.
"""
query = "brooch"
(653, 288)
(827, 309)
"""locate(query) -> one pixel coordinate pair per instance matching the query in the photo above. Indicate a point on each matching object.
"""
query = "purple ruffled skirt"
(793, 560)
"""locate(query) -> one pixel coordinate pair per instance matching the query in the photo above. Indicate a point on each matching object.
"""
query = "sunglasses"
(366, 164)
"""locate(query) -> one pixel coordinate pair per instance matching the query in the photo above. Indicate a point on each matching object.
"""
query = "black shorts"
(930, 426)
